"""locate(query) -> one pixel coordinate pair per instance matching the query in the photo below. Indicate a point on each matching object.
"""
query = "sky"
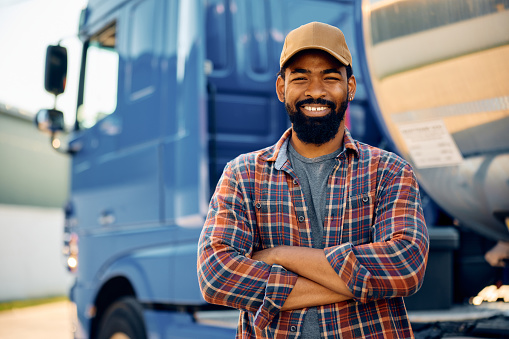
(27, 27)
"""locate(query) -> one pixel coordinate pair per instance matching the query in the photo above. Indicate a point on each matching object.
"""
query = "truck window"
(101, 78)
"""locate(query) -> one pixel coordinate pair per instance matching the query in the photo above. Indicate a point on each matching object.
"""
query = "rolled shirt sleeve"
(393, 265)
(226, 274)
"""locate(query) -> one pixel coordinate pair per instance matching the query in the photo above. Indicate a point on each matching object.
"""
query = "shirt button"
(258, 205)
(295, 182)
(293, 328)
(301, 218)
(365, 199)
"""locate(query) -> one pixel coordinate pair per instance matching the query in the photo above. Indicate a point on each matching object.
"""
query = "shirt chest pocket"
(274, 220)
(358, 219)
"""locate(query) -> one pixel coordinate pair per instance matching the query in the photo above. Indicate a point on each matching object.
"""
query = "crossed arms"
(317, 284)
(281, 278)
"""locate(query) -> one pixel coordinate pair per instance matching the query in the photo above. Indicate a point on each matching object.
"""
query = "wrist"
(275, 255)
(282, 255)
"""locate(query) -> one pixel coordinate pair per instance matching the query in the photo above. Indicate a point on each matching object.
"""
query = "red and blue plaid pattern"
(374, 233)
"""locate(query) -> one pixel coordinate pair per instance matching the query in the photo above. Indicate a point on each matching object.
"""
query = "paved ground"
(48, 321)
(55, 320)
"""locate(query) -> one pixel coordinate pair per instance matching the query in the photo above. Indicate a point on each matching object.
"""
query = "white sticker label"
(430, 144)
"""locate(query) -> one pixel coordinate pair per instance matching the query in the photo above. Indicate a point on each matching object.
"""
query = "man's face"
(315, 92)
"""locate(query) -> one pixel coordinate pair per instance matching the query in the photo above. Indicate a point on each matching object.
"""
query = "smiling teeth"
(315, 109)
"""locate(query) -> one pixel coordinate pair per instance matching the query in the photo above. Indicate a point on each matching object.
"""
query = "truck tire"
(123, 320)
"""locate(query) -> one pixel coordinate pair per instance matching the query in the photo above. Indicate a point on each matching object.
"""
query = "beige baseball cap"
(316, 35)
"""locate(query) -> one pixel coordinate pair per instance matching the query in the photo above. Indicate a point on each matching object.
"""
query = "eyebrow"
(332, 70)
(306, 71)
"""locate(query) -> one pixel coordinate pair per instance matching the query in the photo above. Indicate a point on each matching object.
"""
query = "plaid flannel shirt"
(374, 234)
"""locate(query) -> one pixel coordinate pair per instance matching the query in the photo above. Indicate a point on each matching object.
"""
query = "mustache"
(319, 101)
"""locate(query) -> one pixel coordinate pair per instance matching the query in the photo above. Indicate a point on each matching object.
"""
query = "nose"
(315, 89)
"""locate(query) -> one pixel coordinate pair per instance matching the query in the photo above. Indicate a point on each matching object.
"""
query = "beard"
(316, 130)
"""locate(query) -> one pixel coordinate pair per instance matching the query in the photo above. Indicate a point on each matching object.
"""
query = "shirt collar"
(283, 155)
(278, 152)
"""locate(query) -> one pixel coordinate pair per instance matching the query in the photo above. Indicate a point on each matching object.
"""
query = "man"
(318, 236)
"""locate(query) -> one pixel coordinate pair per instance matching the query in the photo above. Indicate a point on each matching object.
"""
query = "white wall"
(31, 172)
(31, 261)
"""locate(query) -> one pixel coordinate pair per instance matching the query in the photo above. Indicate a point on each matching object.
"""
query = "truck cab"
(169, 92)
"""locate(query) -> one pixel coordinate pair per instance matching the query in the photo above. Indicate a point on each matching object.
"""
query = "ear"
(352, 87)
(280, 88)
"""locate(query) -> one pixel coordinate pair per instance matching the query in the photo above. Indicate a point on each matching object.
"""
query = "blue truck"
(171, 90)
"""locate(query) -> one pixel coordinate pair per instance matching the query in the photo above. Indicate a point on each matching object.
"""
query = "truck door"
(115, 174)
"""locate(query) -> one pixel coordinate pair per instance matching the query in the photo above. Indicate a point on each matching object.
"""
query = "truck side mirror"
(49, 120)
(56, 69)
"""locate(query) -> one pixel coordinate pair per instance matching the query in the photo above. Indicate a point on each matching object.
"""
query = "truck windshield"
(101, 79)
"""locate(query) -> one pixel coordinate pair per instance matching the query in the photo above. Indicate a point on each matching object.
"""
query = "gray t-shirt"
(313, 175)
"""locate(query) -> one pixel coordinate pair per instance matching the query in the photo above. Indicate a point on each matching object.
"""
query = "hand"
(495, 256)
